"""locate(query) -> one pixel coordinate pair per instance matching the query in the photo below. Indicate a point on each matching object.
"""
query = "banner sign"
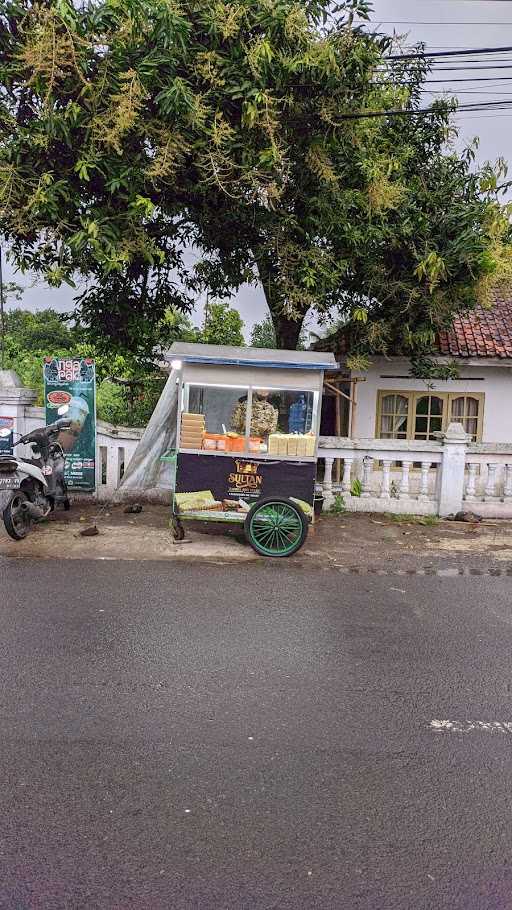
(73, 382)
(245, 478)
(6, 442)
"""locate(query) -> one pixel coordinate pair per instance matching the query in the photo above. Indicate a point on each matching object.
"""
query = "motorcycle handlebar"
(45, 433)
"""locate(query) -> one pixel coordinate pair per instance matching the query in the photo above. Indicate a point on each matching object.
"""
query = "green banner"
(72, 382)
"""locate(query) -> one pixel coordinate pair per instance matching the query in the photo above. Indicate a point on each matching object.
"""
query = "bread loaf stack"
(298, 444)
(192, 430)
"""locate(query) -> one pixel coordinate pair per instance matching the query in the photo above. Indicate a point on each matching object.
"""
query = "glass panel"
(394, 410)
(209, 420)
(472, 407)
(282, 422)
(458, 408)
(386, 426)
(388, 404)
(421, 425)
(422, 405)
(436, 405)
(436, 425)
(471, 426)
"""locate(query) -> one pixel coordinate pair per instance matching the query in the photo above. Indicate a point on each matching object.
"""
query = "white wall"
(495, 382)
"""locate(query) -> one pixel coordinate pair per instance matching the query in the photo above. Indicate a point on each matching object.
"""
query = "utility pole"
(2, 317)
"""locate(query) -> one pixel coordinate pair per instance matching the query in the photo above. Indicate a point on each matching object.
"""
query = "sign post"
(73, 382)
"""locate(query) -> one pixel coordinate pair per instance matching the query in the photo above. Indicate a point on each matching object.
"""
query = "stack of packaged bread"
(192, 431)
(299, 444)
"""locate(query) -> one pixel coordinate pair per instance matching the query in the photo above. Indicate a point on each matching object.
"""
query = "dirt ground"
(351, 541)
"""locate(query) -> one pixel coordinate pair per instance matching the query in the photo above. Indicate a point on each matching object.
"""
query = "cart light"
(176, 364)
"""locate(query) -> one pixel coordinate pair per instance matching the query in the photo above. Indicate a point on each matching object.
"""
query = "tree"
(254, 130)
(222, 326)
(44, 330)
(263, 334)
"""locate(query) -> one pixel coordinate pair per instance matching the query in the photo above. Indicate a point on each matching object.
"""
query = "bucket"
(318, 504)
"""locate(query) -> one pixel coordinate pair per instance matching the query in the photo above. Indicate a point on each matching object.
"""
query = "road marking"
(470, 726)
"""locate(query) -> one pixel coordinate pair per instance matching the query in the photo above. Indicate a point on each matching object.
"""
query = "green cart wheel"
(276, 527)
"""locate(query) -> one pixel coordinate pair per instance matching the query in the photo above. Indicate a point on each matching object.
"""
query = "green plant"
(357, 488)
(338, 507)
(406, 518)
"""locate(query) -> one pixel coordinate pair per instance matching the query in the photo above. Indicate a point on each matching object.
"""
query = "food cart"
(246, 440)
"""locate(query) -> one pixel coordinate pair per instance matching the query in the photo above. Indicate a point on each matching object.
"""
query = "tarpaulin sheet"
(145, 472)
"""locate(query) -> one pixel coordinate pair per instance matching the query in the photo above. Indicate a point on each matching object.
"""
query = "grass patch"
(428, 521)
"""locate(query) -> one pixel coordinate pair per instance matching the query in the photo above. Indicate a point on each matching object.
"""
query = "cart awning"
(218, 354)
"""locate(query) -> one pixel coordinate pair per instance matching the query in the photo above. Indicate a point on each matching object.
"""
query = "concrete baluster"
(347, 475)
(367, 476)
(507, 492)
(471, 484)
(327, 483)
(425, 471)
(386, 480)
(404, 481)
(490, 487)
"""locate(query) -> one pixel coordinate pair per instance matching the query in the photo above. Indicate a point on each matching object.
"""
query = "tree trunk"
(287, 331)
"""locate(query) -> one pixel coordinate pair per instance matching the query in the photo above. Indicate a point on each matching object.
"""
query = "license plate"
(9, 483)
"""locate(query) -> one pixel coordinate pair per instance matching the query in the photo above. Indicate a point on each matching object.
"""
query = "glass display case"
(252, 420)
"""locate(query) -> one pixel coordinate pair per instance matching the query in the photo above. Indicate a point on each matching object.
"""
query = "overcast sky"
(441, 24)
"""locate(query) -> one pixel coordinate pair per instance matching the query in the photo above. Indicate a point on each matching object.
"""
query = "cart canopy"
(270, 358)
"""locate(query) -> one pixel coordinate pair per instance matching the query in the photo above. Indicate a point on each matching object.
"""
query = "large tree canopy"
(132, 129)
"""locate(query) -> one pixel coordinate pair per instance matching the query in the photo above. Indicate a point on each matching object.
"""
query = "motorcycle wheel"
(17, 522)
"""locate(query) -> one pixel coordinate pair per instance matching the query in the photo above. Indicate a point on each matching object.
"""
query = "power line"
(438, 24)
(428, 111)
(463, 91)
(474, 50)
(457, 69)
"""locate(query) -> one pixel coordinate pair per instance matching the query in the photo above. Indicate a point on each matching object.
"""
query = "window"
(465, 410)
(428, 416)
(415, 415)
(394, 416)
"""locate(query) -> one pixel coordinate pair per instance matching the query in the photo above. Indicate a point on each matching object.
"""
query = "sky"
(441, 25)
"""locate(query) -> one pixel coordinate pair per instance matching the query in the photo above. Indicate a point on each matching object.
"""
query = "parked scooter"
(31, 488)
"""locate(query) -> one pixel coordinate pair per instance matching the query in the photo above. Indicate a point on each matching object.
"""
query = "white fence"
(424, 478)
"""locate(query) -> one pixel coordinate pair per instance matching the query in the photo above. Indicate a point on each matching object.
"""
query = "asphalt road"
(252, 737)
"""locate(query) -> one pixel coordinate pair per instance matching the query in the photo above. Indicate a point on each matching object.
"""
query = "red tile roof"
(480, 333)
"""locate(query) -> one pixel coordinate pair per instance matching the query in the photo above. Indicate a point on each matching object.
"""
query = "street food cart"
(246, 440)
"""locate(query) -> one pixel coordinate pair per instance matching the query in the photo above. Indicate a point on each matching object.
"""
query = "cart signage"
(72, 382)
(246, 479)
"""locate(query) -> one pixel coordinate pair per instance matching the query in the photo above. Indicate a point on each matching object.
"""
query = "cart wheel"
(178, 532)
(276, 527)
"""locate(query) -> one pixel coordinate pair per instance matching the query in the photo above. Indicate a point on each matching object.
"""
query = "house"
(388, 403)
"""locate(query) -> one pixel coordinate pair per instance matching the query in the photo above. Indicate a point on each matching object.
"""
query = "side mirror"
(5, 432)
(64, 408)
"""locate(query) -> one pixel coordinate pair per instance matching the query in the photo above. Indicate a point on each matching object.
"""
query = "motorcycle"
(31, 488)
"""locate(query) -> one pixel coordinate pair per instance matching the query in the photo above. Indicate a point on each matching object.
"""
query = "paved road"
(252, 737)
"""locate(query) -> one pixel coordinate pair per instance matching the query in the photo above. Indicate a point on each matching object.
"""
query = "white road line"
(470, 726)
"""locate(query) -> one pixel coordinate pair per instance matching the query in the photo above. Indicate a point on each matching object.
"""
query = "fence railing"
(426, 478)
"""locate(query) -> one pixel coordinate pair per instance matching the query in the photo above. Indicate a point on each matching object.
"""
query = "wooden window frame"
(447, 397)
